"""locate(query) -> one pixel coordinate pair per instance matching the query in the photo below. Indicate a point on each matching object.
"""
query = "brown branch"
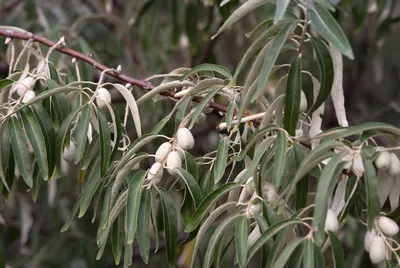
(97, 65)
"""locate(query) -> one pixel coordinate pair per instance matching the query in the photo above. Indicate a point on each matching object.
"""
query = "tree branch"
(97, 65)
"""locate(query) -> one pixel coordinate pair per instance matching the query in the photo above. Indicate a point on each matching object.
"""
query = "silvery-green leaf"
(81, 133)
(281, 6)
(243, 10)
(395, 194)
(339, 201)
(273, 108)
(203, 104)
(309, 254)
(287, 252)
(208, 67)
(89, 191)
(162, 88)
(385, 184)
(105, 142)
(337, 250)
(221, 160)
(130, 100)
(279, 158)
(143, 234)
(117, 238)
(241, 235)
(328, 27)
(192, 185)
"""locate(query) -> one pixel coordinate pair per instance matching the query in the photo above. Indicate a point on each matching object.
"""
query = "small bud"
(155, 173)
(377, 251)
(7, 41)
(29, 95)
(383, 160)
(331, 221)
(128, 86)
(173, 161)
(163, 151)
(26, 84)
(102, 97)
(73, 60)
(62, 41)
(69, 152)
(303, 102)
(394, 167)
(299, 132)
(388, 226)
(369, 236)
(181, 93)
(185, 138)
(119, 69)
(269, 192)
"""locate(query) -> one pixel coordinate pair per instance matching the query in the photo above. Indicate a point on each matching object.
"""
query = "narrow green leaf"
(296, 259)
(191, 165)
(134, 194)
(192, 185)
(325, 65)
(337, 250)
(273, 230)
(308, 255)
(287, 252)
(260, 151)
(328, 27)
(117, 238)
(105, 142)
(292, 99)
(128, 256)
(36, 138)
(203, 104)
(281, 6)
(206, 204)
(72, 215)
(272, 56)
(143, 235)
(221, 160)
(170, 226)
(371, 186)
(229, 115)
(20, 150)
(325, 188)
(241, 235)
(81, 133)
(5, 83)
(207, 67)
(88, 192)
(279, 158)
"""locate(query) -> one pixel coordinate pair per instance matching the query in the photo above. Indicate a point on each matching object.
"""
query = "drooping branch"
(97, 65)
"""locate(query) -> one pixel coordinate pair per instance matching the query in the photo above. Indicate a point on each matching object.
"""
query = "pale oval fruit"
(102, 97)
(383, 160)
(331, 221)
(26, 84)
(185, 138)
(369, 236)
(69, 152)
(155, 173)
(163, 151)
(358, 165)
(173, 161)
(269, 192)
(377, 251)
(303, 102)
(394, 167)
(255, 208)
(388, 226)
(29, 95)
(254, 235)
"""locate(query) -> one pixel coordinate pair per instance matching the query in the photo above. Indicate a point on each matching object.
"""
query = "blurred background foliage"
(148, 37)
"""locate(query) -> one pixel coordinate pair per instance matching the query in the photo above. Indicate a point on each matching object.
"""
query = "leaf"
(207, 67)
(81, 133)
(128, 255)
(143, 234)
(371, 186)
(71, 216)
(191, 165)
(326, 184)
(281, 6)
(221, 160)
(260, 151)
(287, 252)
(206, 204)
(20, 150)
(170, 226)
(272, 56)
(5, 83)
(241, 235)
(105, 142)
(279, 158)
(308, 255)
(216, 238)
(162, 88)
(273, 230)
(203, 104)
(89, 191)
(130, 100)
(337, 250)
(192, 185)
(328, 27)
(243, 10)
(292, 99)
(63, 131)
(36, 138)
(326, 72)
(134, 194)
(117, 238)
